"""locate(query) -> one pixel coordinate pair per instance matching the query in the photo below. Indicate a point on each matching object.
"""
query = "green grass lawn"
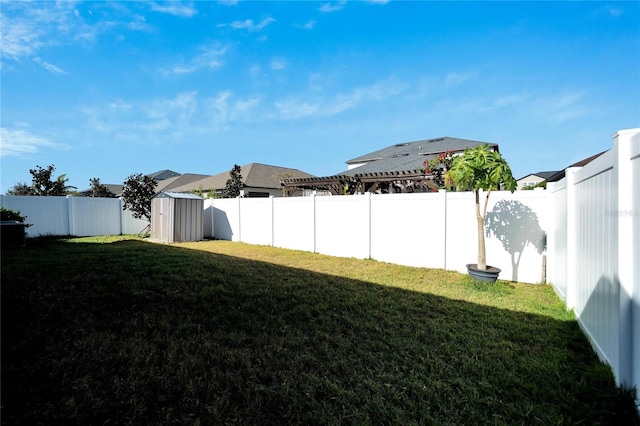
(119, 331)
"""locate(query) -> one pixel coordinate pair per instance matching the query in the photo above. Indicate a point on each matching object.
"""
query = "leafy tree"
(477, 169)
(20, 188)
(137, 193)
(234, 183)
(100, 190)
(43, 185)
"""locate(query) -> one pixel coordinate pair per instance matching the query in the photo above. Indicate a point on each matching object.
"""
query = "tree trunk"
(482, 253)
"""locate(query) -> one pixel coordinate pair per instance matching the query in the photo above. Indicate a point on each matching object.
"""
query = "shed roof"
(182, 195)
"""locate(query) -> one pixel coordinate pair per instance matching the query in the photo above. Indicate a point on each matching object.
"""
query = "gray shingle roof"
(254, 175)
(409, 156)
(163, 174)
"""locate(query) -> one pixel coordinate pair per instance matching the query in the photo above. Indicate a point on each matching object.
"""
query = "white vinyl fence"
(587, 226)
(594, 252)
(435, 230)
(79, 216)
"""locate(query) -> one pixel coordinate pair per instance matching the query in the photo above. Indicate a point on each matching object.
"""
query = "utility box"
(177, 217)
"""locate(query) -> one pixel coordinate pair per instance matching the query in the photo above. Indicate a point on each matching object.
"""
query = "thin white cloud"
(20, 38)
(19, 142)
(612, 11)
(377, 1)
(562, 107)
(278, 64)
(250, 26)
(332, 7)
(511, 100)
(306, 26)
(28, 29)
(49, 67)
(295, 108)
(455, 79)
(175, 8)
(225, 109)
(209, 56)
(228, 2)
(169, 119)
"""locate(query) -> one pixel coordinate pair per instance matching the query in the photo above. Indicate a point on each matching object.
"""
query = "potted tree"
(477, 169)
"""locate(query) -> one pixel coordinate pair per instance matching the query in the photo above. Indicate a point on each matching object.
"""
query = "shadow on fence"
(516, 226)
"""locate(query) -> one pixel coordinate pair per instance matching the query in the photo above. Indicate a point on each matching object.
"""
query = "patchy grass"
(117, 330)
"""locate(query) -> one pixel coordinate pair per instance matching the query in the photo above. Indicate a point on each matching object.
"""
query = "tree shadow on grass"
(139, 333)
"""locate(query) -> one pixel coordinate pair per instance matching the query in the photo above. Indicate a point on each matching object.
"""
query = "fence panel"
(557, 239)
(80, 216)
(294, 223)
(516, 228)
(226, 219)
(408, 229)
(47, 215)
(342, 226)
(256, 221)
(634, 216)
(597, 294)
(95, 216)
(461, 230)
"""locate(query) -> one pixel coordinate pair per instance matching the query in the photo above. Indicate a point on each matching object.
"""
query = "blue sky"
(106, 89)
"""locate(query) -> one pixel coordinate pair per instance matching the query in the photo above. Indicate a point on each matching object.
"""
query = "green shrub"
(8, 214)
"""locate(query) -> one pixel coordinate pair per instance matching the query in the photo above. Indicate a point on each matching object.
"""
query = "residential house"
(396, 168)
(533, 179)
(560, 175)
(259, 180)
(116, 189)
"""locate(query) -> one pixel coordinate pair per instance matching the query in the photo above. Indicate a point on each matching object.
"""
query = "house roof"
(541, 175)
(254, 175)
(561, 174)
(408, 156)
(163, 174)
(115, 189)
(178, 183)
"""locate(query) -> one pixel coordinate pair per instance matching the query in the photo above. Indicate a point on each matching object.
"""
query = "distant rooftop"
(408, 156)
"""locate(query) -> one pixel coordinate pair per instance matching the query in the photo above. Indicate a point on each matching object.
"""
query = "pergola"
(359, 183)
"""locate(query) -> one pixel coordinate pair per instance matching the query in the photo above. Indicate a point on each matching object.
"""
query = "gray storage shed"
(177, 217)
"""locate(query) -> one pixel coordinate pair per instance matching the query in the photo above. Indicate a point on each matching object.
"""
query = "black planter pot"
(488, 276)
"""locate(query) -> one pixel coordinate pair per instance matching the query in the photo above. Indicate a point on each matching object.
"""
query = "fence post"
(443, 201)
(369, 225)
(315, 227)
(273, 220)
(622, 142)
(239, 219)
(572, 238)
(70, 215)
(121, 216)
